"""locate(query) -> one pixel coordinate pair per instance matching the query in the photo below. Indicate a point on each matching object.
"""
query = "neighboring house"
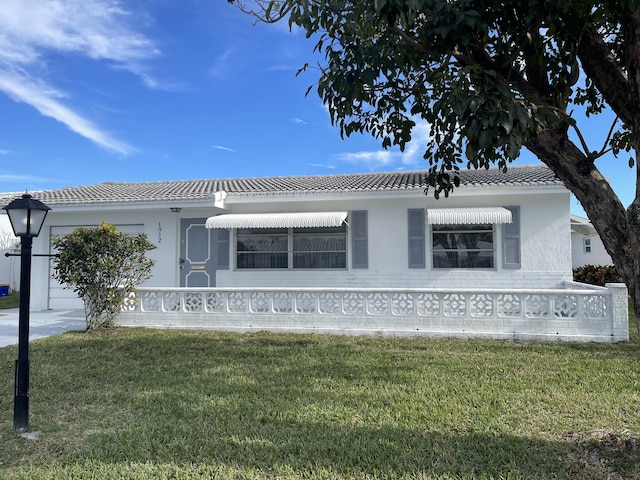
(9, 270)
(586, 245)
(498, 230)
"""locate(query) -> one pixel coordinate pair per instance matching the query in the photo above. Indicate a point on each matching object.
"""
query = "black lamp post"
(27, 216)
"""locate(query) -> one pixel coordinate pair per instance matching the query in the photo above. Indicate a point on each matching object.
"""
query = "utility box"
(4, 290)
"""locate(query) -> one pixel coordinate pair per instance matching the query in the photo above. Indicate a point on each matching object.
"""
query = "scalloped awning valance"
(468, 216)
(277, 220)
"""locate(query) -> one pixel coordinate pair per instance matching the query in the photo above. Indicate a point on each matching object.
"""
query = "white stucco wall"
(545, 245)
(9, 270)
(160, 227)
(597, 256)
(545, 241)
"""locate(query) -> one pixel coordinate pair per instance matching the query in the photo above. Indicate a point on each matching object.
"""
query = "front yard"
(136, 403)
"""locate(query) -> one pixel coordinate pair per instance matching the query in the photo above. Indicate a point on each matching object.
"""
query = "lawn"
(10, 301)
(143, 404)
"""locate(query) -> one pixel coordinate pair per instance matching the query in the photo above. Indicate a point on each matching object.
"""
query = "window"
(587, 245)
(463, 246)
(297, 248)
(320, 247)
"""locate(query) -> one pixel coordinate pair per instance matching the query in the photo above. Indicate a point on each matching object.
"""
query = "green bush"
(596, 274)
(102, 266)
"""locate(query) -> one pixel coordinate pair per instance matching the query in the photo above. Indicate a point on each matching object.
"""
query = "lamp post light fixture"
(27, 216)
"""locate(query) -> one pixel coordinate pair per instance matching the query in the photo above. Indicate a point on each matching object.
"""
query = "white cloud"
(99, 29)
(102, 30)
(222, 63)
(374, 158)
(27, 179)
(320, 165)
(220, 147)
(411, 157)
(47, 101)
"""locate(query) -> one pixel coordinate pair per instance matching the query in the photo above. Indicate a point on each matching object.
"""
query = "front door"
(197, 254)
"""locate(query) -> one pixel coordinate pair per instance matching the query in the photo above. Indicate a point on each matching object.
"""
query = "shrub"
(102, 266)
(596, 274)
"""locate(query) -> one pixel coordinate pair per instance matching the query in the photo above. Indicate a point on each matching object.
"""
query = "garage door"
(64, 298)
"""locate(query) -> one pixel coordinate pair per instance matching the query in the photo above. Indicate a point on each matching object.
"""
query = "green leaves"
(487, 76)
(102, 266)
(458, 65)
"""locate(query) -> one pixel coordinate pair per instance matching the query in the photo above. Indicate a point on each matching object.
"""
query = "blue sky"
(102, 90)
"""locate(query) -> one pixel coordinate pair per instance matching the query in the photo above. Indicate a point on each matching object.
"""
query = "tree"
(489, 77)
(102, 266)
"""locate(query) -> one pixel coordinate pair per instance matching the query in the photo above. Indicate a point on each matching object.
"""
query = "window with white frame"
(292, 248)
(463, 246)
(587, 245)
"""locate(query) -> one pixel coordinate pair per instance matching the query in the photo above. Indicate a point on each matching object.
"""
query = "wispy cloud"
(222, 64)
(220, 147)
(321, 165)
(101, 30)
(50, 104)
(27, 179)
(393, 158)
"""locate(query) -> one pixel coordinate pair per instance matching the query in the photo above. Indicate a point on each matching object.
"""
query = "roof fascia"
(132, 206)
(395, 194)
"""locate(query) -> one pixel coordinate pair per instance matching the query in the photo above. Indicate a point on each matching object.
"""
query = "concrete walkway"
(41, 324)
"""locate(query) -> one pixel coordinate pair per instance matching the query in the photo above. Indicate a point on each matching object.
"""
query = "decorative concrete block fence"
(575, 312)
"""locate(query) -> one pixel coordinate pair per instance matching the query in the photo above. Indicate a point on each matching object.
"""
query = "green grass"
(11, 301)
(143, 404)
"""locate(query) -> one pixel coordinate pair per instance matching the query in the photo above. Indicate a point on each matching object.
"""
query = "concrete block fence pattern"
(572, 312)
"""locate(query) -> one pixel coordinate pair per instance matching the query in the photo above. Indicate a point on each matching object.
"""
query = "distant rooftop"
(191, 190)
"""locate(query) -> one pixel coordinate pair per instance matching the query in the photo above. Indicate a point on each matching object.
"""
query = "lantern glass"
(26, 215)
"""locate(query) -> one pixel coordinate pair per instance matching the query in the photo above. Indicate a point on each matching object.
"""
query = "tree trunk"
(635, 295)
(631, 30)
(620, 237)
(633, 221)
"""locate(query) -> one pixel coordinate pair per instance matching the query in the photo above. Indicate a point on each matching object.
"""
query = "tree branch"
(606, 74)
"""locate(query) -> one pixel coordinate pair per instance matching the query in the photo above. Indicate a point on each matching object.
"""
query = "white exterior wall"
(597, 256)
(160, 226)
(544, 223)
(8, 243)
(545, 247)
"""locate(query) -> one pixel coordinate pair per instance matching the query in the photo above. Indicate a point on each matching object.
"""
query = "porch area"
(572, 312)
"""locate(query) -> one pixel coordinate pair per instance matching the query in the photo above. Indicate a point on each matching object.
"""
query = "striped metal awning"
(468, 216)
(277, 220)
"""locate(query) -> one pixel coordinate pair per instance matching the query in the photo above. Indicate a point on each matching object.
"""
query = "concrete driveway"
(41, 324)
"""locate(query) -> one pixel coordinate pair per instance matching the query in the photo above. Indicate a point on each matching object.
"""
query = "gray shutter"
(511, 240)
(416, 238)
(223, 248)
(359, 242)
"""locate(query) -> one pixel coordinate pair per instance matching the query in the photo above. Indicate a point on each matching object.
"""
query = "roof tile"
(192, 190)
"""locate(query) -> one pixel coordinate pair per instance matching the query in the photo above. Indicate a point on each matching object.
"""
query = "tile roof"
(193, 190)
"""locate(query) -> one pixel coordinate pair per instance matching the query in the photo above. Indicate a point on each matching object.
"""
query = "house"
(504, 230)
(367, 254)
(9, 273)
(586, 246)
